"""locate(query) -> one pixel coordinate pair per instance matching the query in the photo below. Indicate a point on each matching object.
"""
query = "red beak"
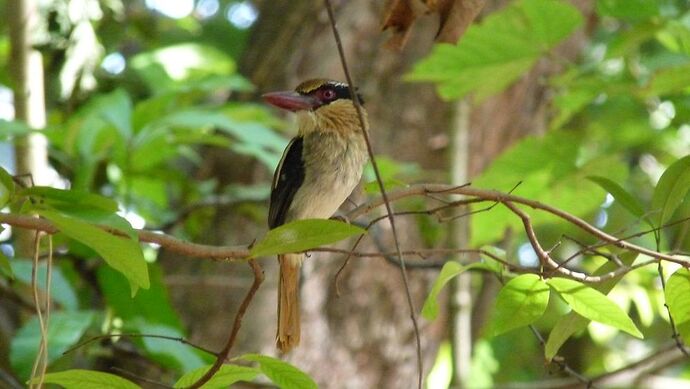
(289, 100)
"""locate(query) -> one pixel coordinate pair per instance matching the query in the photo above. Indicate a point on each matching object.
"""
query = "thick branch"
(171, 243)
(242, 251)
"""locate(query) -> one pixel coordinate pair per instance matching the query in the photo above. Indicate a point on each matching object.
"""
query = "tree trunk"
(364, 338)
(31, 151)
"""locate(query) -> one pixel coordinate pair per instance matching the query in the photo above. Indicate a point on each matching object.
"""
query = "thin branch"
(491, 195)
(41, 362)
(170, 242)
(382, 189)
(336, 278)
(664, 357)
(138, 378)
(557, 360)
(674, 330)
(560, 361)
(222, 356)
(180, 246)
(134, 335)
(593, 247)
(626, 376)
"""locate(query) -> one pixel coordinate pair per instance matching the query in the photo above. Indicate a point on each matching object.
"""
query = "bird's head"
(320, 104)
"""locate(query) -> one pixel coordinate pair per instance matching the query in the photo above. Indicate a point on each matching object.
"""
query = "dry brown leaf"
(455, 17)
(399, 16)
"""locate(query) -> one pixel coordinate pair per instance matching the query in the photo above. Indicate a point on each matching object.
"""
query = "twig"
(48, 298)
(665, 356)
(544, 257)
(558, 361)
(41, 361)
(561, 362)
(180, 246)
(345, 262)
(674, 330)
(133, 335)
(638, 234)
(239, 252)
(382, 189)
(626, 376)
(222, 356)
(491, 195)
(138, 378)
(170, 242)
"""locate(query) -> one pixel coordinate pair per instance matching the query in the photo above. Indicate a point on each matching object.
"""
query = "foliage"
(677, 288)
(133, 145)
(284, 375)
(520, 302)
(496, 52)
(301, 235)
(127, 141)
(614, 155)
(86, 379)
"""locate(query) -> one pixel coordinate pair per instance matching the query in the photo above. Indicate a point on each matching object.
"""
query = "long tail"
(288, 302)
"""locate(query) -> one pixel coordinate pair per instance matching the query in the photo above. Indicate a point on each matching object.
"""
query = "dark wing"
(286, 181)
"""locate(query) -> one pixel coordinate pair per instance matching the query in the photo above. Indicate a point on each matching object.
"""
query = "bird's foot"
(341, 218)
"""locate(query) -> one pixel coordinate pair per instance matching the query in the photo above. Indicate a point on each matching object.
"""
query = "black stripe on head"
(326, 91)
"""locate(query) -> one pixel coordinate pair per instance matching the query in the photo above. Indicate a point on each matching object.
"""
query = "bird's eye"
(328, 94)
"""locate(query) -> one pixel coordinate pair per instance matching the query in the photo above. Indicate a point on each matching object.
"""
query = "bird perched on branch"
(319, 169)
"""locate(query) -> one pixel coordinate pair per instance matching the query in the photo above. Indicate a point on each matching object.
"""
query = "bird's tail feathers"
(288, 335)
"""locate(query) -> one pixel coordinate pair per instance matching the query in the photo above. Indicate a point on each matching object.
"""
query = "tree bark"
(31, 151)
(364, 338)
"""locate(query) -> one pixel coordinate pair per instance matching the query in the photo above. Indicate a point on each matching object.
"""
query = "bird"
(318, 171)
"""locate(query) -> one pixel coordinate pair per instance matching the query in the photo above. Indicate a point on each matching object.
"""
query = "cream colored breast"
(332, 171)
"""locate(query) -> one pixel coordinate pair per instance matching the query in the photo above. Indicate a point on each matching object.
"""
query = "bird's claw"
(341, 218)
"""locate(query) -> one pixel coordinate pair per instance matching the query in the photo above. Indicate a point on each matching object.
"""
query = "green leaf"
(150, 312)
(633, 10)
(565, 327)
(492, 256)
(254, 138)
(5, 267)
(177, 66)
(671, 189)
(6, 187)
(449, 271)
(552, 175)
(496, 52)
(60, 288)
(281, 373)
(168, 352)
(593, 305)
(151, 305)
(58, 198)
(677, 295)
(302, 235)
(669, 80)
(572, 323)
(625, 199)
(116, 109)
(64, 330)
(86, 379)
(13, 128)
(520, 302)
(675, 36)
(224, 377)
(122, 254)
(85, 206)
